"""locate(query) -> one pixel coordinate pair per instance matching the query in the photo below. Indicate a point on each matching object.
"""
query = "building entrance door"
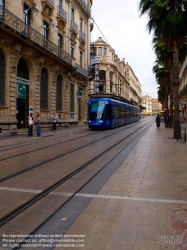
(22, 111)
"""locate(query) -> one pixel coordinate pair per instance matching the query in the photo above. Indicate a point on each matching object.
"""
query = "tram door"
(22, 111)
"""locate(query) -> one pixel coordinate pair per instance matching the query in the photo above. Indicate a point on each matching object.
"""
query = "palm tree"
(162, 78)
(161, 94)
(164, 58)
(168, 22)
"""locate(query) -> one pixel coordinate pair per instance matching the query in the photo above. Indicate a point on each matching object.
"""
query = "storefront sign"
(96, 61)
(21, 87)
(79, 92)
(21, 90)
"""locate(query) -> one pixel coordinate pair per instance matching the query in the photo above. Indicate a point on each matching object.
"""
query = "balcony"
(47, 8)
(50, 3)
(62, 14)
(85, 7)
(26, 32)
(82, 36)
(82, 71)
(74, 27)
(61, 18)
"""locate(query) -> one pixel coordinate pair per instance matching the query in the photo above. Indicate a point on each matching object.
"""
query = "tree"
(168, 22)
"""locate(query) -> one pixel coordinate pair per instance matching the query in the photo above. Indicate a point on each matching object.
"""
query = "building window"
(60, 41)
(71, 97)
(45, 30)
(72, 14)
(104, 51)
(99, 51)
(81, 24)
(60, 3)
(72, 50)
(102, 75)
(44, 89)
(59, 93)
(81, 58)
(2, 78)
(26, 14)
(2, 4)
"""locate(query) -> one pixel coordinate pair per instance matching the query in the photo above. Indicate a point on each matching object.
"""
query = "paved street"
(144, 203)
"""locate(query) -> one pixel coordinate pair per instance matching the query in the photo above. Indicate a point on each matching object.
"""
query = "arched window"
(44, 89)
(2, 78)
(22, 70)
(59, 93)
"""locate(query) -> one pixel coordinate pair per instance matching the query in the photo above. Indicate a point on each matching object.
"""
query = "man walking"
(30, 125)
(54, 120)
(166, 120)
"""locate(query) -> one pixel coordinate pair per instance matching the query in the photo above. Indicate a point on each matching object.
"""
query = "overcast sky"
(125, 31)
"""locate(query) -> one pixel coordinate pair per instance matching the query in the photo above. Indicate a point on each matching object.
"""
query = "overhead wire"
(100, 30)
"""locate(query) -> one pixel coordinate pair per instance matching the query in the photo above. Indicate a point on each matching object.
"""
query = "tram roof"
(110, 100)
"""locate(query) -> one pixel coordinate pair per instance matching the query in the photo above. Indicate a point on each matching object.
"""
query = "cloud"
(122, 27)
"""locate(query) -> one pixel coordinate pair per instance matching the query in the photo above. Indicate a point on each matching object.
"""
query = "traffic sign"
(79, 92)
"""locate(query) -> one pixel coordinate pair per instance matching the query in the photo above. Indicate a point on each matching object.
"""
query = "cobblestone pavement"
(143, 206)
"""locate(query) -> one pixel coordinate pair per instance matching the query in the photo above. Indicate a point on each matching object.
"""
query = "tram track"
(52, 187)
(58, 156)
(42, 139)
(54, 144)
(46, 137)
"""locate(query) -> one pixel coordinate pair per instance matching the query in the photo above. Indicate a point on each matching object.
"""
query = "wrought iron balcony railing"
(85, 6)
(51, 2)
(82, 71)
(82, 35)
(74, 26)
(62, 13)
(31, 34)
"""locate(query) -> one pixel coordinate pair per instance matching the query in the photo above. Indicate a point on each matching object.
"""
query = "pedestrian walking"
(166, 120)
(37, 123)
(30, 125)
(54, 120)
(158, 121)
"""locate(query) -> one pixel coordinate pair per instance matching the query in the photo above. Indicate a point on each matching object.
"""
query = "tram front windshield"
(96, 110)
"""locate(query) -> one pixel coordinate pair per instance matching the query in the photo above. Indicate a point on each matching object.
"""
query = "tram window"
(96, 110)
(108, 111)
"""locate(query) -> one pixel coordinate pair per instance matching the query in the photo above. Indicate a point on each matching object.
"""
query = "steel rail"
(55, 157)
(49, 189)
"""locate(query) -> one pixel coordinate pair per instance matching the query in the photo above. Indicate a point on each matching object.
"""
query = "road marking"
(130, 198)
(96, 196)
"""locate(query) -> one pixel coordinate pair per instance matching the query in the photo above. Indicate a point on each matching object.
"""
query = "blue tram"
(106, 113)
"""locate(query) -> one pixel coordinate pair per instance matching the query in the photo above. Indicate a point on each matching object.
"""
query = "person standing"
(54, 120)
(38, 131)
(166, 120)
(30, 125)
(158, 121)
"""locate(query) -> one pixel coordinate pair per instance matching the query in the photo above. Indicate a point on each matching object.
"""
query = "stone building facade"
(114, 76)
(156, 106)
(44, 58)
(147, 103)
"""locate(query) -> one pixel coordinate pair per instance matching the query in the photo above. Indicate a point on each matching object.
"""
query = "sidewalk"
(143, 205)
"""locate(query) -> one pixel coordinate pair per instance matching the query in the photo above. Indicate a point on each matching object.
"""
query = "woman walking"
(158, 121)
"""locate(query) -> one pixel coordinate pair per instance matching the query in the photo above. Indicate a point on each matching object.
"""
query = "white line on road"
(96, 196)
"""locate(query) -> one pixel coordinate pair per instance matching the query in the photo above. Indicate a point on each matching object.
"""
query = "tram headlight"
(89, 121)
(100, 121)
